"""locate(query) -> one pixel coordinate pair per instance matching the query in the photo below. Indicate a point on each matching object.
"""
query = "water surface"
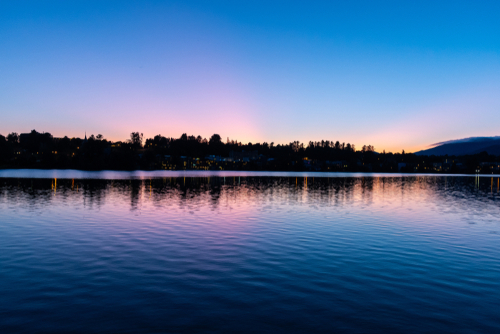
(248, 252)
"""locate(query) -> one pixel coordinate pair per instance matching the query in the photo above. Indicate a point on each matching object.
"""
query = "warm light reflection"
(245, 195)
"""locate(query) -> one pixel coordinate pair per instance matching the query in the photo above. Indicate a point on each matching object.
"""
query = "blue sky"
(396, 75)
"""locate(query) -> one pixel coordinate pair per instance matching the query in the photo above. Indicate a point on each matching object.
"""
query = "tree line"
(42, 150)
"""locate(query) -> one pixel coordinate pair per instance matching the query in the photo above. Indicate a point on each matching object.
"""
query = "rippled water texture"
(220, 253)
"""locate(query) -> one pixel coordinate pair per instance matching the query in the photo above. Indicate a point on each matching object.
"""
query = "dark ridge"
(460, 147)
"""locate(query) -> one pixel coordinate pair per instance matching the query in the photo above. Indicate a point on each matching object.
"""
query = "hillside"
(465, 146)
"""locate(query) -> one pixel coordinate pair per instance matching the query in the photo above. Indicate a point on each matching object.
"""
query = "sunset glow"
(395, 76)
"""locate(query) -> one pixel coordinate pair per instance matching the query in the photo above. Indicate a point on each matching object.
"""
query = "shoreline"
(145, 174)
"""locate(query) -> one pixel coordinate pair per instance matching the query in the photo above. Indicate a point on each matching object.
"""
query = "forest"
(43, 151)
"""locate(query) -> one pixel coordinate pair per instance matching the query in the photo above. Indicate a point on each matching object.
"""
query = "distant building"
(245, 156)
(490, 166)
(338, 164)
(437, 166)
(85, 140)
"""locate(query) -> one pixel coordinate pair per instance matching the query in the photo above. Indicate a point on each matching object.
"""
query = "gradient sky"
(396, 75)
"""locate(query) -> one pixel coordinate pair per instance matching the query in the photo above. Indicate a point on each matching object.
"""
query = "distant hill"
(465, 146)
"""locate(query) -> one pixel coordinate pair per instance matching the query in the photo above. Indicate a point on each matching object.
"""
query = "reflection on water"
(292, 252)
(461, 193)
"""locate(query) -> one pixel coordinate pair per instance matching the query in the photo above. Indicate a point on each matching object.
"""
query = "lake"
(247, 252)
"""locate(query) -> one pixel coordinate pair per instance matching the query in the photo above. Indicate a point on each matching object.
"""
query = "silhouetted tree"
(215, 139)
(136, 139)
(13, 138)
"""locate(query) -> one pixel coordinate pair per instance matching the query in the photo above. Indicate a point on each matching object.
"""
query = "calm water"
(234, 252)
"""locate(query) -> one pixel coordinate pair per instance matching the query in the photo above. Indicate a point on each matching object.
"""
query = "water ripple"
(249, 253)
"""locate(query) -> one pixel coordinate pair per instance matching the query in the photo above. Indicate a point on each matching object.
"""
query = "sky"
(392, 74)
